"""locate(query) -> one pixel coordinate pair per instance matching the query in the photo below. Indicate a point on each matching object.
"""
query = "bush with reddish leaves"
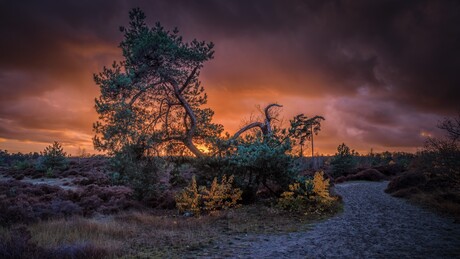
(103, 199)
(25, 202)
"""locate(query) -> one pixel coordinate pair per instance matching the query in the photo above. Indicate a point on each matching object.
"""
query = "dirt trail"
(373, 225)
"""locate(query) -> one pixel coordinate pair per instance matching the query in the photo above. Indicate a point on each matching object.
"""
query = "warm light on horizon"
(372, 95)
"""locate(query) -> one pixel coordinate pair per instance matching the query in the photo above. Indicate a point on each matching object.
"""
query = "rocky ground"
(372, 225)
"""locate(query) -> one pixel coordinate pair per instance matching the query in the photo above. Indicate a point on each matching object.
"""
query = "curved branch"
(267, 111)
(268, 118)
(265, 127)
(248, 127)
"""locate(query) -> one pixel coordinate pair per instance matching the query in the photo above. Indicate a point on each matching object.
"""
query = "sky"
(382, 73)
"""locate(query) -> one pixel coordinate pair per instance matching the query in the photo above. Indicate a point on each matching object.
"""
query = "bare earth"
(372, 225)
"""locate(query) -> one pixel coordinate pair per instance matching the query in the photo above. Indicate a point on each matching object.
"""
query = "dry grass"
(161, 234)
(167, 235)
(438, 201)
(134, 234)
(103, 233)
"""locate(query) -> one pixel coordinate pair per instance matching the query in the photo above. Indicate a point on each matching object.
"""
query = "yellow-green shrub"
(220, 196)
(312, 196)
(189, 199)
(321, 187)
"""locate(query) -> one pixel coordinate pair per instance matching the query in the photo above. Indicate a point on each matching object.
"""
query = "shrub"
(343, 161)
(321, 186)
(131, 167)
(197, 200)
(310, 196)
(259, 160)
(221, 196)
(25, 202)
(441, 159)
(22, 165)
(53, 157)
(189, 199)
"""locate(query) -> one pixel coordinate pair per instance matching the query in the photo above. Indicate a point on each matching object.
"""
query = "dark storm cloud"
(401, 48)
(375, 121)
(406, 50)
(403, 55)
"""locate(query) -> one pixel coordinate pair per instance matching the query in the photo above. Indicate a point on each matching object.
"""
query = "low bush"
(17, 160)
(405, 181)
(25, 202)
(311, 196)
(344, 161)
(132, 168)
(261, 160)
(199, 199)
(364, 175)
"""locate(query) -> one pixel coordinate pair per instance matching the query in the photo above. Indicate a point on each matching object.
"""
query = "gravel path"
(373, 225)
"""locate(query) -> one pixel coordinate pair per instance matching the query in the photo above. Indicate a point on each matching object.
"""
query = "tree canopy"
(153, 98)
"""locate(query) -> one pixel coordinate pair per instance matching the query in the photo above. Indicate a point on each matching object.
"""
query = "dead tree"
(265, 126)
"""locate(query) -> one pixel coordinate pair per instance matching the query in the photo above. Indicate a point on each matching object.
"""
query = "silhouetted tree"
(53, 157)
(265, 126)
(441, 157)
(152, 99)
(452, 127)
(302, 129)
(343, 161)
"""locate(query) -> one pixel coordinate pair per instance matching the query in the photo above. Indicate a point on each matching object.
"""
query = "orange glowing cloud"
(353, 63)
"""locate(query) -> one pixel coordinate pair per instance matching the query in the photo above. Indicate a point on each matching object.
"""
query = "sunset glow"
(383, 75)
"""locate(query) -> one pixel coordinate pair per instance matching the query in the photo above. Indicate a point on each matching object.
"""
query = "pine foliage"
(53, 157)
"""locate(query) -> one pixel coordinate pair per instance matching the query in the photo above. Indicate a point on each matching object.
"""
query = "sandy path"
(373, 225)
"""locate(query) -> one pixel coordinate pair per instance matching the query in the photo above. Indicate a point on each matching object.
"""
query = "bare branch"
(452, 126)
(267, 110)
(248, 127)
(265, 127)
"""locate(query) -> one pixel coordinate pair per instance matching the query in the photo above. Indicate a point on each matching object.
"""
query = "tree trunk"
(265, 127)
(190, 132)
